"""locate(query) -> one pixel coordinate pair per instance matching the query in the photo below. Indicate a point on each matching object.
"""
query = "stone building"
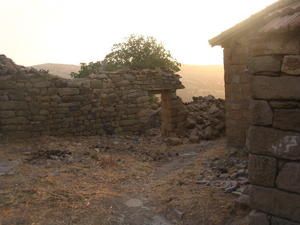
(262, 75)
(34, 103)
(257, 46)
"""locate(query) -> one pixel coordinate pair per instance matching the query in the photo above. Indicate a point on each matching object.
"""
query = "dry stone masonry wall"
(33, 103)
(274, 136)
(237, 93)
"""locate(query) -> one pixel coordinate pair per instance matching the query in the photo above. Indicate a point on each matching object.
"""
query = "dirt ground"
(128, 180)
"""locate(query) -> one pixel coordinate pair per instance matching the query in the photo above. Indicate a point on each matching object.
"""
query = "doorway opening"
(161, 106)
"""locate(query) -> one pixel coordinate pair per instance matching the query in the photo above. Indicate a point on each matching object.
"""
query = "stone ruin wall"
(111, 103)
(273, 139)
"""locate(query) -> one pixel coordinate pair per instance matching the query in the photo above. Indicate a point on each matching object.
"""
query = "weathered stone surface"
(68, 91)
(291, 65)
(262, 170)
(275, 45)
(173, 141)
(276, 88)
(7, 114)
(276, 202)
(41, 84)
(289, 177)
(273, 142)
(265, 65)
(15, 120)
(287, 119)
(285, 104)
(261, 113)
(205, 119)
(239, 55)
(236, 74)
(279, 221)
(13, 105)
(258, 218)
(96, 84)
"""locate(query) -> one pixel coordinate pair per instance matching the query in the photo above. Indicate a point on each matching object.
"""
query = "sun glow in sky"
(74, 31)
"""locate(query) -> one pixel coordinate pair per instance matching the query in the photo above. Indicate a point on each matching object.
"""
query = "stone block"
(12, 127)
(4, 85)
(24, 113)
(261, 113)
(285, 104)
(68, 91)
(101, 76)
(15, 120)
(239, 55)
(7, 114)
(142, 99)
(238, 69)
(74, 98)
(13, 105)
(130, 77)
(289, 177)
(258, 218)
(41, 84)
(273, 142)
(276, 202)
(44, 112)
(128, 122)
(275, 45)
(17, 95)
(61, 83)
(108, 84)
(52, 91)
(98, 84)
(262, 170)
(291, 65)
(123, 83)
(276, 88)
(236, 138)
(269, 65)
(287, 119)
(279, 221)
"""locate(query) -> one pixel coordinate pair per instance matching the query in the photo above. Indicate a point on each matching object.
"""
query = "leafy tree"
(87, 69)
(140, 52)
(137, 52)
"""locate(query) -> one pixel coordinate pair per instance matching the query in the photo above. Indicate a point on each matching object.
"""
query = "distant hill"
(62, 70)
(197, 79)
(201, 80)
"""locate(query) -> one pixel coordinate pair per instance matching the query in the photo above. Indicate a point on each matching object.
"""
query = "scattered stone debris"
(8, 167)
(49, 155)
(134, 202)
(206, 118)
(140, 146)
(173, 141)
(229, 174)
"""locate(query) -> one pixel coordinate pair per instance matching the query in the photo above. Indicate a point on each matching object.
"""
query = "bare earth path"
(112, 181)
(139, 209)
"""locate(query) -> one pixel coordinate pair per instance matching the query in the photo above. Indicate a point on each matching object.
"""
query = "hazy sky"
(74, 31)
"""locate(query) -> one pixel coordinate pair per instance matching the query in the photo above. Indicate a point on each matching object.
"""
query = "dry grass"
(88, 188)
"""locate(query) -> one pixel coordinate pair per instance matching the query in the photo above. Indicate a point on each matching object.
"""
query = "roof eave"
(246, 24)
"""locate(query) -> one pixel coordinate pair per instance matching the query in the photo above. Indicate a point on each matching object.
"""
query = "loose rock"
(206, 118)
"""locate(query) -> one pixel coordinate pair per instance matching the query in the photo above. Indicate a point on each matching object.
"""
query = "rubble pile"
(8, 67)
(229, 174)
(206, 118)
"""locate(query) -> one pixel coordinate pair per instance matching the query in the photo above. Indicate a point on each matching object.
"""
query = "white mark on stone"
(286, 144)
